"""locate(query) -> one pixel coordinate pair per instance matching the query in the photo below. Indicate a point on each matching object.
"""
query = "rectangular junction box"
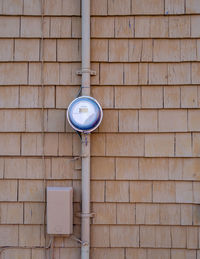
(59, 210)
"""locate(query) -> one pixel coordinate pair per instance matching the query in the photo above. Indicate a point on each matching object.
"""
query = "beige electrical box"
(59, 210)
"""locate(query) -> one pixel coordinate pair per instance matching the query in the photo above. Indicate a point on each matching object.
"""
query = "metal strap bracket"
(85, 215)
(92, 72)
(78, 157)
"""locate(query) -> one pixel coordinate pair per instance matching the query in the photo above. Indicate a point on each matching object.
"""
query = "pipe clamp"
(87, 71)
(85, 215)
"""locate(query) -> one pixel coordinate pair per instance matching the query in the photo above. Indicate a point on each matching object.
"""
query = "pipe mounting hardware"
(88, 71)
(85, 215)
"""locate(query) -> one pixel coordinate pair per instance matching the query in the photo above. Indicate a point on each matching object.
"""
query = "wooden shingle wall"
(145, 164)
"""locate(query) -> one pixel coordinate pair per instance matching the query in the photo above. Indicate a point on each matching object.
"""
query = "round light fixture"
(84, 114)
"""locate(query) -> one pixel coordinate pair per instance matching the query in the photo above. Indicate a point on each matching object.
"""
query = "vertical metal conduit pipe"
(85, 219)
